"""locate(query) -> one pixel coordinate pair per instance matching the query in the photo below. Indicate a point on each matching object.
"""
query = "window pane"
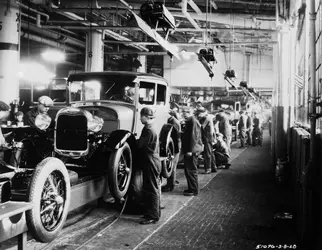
(147, 93)
(161, 94)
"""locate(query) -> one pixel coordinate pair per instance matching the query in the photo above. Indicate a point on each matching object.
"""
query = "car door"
(153, 94)
(147, 93)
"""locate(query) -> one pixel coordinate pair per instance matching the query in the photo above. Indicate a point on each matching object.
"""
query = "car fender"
(166, 132)
(117, 139)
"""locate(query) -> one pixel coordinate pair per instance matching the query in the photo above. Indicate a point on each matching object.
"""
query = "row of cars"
(90, 152)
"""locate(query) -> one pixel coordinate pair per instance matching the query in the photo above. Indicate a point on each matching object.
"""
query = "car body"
(91, 151)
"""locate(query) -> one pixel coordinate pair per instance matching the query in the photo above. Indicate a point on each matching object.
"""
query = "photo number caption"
(270, 246)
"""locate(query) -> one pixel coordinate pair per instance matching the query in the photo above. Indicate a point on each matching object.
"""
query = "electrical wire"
(206, 35)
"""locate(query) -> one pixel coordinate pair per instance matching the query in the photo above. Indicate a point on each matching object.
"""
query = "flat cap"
(147, 111)
(4, 106)
(45, 100)
(200, 110)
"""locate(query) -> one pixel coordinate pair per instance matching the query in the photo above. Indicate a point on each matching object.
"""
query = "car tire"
(120, 171)
(49, 182)
(167, 164)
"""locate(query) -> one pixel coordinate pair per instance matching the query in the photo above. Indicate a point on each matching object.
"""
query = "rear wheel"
(120, 171)
(167, 164)
(49, 191)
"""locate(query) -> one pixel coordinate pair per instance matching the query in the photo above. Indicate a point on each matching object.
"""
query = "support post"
(9, 50)
(94, 51)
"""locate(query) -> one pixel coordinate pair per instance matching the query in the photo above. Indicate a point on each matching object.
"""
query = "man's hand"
(189, 154)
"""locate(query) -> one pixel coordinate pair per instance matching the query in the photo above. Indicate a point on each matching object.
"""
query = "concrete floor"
(234, 210)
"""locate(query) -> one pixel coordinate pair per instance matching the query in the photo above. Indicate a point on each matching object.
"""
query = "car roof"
(105, 74)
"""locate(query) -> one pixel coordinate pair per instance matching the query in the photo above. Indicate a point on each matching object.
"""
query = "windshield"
(56, 90)
(113, 89)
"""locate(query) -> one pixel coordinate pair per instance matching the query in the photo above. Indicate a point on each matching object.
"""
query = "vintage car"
(91, 149)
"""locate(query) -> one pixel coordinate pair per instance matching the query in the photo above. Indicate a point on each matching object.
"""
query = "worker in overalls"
(148, 145)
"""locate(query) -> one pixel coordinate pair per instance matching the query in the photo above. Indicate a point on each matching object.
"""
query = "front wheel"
(120, 171)
(167, 164)
(49, 191)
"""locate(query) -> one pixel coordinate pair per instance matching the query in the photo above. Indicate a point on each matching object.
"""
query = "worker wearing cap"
(221, 152)
(44, 103)
(191, 147)
(207, 135)
(224, 127)
(148, 145)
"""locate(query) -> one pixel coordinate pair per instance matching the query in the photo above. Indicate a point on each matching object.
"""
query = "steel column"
(94, 60)
(9, 50)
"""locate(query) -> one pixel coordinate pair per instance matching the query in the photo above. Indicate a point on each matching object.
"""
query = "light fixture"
(54, 56)
(35, 72)
(208, 54)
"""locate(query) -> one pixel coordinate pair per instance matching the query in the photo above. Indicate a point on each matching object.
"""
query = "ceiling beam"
(104, 27)
(137, 53)
(192, 44)
(255, 3)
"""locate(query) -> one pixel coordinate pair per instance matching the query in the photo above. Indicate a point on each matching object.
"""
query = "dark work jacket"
(191, 139)
(257, 122)
(30, 117)
(176, 124)
(242, 122)
(148, 145)
(207, 130)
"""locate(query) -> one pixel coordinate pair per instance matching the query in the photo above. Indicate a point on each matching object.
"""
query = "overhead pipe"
(103, 27)
(192, 44)
(62, 29)
(49, 42)
(33, 10)
(94, 26)
(53, 34)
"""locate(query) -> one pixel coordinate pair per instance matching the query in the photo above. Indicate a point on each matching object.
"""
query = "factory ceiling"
(247, 25)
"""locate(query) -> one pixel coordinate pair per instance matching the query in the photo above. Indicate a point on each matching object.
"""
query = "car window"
(56, 90)
(161, 94)
(115, 89)
(147, 93)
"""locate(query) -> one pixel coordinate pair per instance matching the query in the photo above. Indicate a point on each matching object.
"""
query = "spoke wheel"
(120, 171)
(49, 191)
(167, 164)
